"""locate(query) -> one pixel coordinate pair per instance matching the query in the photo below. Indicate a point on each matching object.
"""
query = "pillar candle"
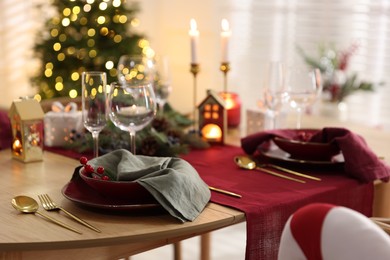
(194, 38)
(225, 35)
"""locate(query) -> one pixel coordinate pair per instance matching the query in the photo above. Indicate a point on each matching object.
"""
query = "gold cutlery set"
(28, 205)
(247, 163)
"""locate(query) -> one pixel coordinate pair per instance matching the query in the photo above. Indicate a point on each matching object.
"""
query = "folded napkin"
(360, 161)
(173, 182)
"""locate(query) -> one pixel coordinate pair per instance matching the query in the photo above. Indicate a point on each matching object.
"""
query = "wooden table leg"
(205, 241)
(177, 251)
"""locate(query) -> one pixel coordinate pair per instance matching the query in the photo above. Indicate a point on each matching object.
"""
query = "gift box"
(61, 123)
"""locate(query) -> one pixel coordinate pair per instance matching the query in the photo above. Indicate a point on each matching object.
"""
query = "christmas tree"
(84, 35)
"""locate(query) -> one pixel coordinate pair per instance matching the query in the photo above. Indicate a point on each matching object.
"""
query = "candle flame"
(225, 25)
(212, 131)
(193, 25)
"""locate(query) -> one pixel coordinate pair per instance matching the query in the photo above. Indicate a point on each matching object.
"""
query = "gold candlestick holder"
(195, 68)
(225, 67)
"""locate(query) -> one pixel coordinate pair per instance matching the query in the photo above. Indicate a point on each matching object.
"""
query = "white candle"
(194, 36)
(133, 110)
(225, 35)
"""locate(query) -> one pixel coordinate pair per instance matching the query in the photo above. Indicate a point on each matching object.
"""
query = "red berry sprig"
(90, 171)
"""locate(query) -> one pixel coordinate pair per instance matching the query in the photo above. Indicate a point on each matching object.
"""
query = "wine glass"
(275, 94)
(131, 108)
(94, 95)
(303, 87)
(163, 86)
(135, 70)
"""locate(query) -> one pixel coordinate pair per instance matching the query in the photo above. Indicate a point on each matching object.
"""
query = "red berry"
(83, 160)
(88, 168)
(100, 170)
(105, 178)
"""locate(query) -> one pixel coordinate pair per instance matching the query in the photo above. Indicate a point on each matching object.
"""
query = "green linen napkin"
(173, 182)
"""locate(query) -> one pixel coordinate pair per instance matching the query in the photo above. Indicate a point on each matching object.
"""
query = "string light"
(66, 11)
(65, 22)
(73, 93)
(103, 6)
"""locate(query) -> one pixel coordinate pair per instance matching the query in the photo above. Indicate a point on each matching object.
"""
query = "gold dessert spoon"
(27, 204)
(248, 160)
(247, 163)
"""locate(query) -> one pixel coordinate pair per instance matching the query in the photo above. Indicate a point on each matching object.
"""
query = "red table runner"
(268, 201)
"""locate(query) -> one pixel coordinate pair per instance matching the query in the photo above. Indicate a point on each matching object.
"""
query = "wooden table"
(28, 236)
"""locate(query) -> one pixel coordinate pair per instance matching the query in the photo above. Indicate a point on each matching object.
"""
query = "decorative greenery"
(333, 65)
(84, 36)
(165, 136)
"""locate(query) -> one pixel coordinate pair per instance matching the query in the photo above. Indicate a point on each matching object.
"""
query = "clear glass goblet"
(135, 70)
(94, 93)
(304, 87)
(131, 108)
(275, 94)
(163, 82)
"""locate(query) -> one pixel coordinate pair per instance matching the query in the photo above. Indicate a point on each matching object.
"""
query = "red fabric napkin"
(360, 161)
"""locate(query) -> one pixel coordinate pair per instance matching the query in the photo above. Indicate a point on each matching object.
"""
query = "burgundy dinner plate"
(300, 148)
(81, 193)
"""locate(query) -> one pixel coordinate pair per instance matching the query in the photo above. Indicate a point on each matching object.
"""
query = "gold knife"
(225, 192)
(293, 172)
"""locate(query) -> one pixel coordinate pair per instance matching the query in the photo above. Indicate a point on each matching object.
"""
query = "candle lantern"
(212, 118)
(26, 116)
(233, 107)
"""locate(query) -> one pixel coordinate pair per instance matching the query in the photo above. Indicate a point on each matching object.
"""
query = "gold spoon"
(29, 205)
(247, 163)
(246, 158)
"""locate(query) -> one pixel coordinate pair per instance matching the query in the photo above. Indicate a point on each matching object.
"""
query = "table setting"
(270, 175)
(268, 200)
(264, 194)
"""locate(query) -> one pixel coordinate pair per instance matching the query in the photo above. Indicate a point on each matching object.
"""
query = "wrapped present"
(61, 123)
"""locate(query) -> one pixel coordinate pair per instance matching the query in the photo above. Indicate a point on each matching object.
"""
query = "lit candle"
(133, 110)
(233, 107)
(194, 36)
(212, 132)
(225, 35)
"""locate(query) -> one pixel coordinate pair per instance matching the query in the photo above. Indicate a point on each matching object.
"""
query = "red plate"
(300, 148)
(79, 192)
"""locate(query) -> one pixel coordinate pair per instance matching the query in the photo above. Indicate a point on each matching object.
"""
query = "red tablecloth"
(268, 201)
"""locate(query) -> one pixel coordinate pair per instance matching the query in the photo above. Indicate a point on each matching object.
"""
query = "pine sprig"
(169, 137)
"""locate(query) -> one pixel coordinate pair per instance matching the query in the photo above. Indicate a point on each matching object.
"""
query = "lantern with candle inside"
(212, 118)
(26, 116)
(233, 107)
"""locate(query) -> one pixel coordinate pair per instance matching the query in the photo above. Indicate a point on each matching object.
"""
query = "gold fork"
(48, 204)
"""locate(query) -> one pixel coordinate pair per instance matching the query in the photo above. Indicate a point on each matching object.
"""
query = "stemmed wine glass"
(303, 87)
(131, 108)
(135, 70)
(94, 95)
(275, 94)
(163, 84)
